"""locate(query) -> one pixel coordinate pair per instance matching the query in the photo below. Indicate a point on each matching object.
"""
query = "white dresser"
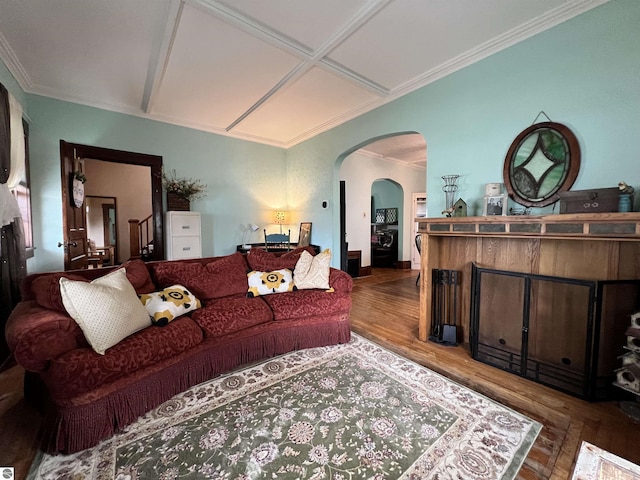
(183, 237)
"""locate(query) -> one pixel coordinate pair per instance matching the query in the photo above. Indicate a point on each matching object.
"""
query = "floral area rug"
(354, 411)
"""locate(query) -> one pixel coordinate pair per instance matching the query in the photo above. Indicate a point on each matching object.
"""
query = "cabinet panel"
(452, 253)
(585, 259)
(512, 254)
(183, 247)
(183, 224)
(500, 315)
(183, 239)
(559, 329)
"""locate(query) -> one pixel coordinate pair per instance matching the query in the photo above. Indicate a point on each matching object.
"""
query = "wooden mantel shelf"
(592, 226)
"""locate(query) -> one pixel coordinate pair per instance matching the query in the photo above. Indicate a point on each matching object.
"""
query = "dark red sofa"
(89, 397)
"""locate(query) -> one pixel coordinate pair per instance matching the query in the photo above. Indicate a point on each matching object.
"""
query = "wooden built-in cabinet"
(590, 247)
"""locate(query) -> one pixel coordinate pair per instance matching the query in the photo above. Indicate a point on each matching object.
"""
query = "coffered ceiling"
(271, 71)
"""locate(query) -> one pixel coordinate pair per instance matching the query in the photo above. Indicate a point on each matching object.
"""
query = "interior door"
(74, 217)
(344, 247)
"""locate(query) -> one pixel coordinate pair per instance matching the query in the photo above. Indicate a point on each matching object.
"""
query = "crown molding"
(376, 156)
(522, 32)
(308, 60)
(14, 66)
(515, 35)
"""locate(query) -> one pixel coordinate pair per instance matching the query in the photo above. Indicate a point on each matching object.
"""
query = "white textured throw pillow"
(107, 309)
(312, 272)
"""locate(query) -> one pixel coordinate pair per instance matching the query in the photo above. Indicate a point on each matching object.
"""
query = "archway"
(399, 157)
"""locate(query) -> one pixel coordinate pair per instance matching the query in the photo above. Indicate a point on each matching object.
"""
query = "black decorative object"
(444, 309)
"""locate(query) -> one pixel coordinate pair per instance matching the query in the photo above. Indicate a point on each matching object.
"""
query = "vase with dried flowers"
(181, 191)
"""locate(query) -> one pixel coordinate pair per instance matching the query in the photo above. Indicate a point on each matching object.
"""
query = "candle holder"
(450, 188)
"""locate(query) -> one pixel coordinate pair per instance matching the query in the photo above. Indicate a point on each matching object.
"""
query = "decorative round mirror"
(542, 161)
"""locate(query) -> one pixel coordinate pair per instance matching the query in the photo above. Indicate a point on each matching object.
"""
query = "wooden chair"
(277, 240)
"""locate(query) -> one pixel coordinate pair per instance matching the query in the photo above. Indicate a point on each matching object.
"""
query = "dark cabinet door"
(500, 336)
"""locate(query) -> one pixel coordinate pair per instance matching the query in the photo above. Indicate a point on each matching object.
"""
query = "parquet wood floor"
(385, 310)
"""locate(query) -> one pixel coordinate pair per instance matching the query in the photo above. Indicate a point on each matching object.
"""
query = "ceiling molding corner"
(515, 35)
(10, 59)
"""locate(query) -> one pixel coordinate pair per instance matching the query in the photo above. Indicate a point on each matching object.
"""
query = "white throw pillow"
(107, 309)
(312, 272)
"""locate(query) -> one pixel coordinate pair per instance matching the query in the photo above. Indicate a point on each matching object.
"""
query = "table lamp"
(280, 218)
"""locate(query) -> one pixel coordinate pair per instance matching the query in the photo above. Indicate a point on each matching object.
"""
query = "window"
(22, 193)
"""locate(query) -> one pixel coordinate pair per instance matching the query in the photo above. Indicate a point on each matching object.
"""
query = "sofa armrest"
(36, 335)
(340, 281)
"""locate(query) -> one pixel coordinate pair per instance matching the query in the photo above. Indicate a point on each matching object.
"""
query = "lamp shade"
(280, 217)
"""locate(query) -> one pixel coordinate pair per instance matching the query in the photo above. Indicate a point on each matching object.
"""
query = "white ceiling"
(408, 150)
(271, 71)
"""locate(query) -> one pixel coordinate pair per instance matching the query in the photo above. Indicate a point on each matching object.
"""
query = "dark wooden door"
(74, 217)
(344, 247)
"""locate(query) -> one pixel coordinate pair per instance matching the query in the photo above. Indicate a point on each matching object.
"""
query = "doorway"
(387, 206)
(102, 230)
(398, 158)
(73, 158)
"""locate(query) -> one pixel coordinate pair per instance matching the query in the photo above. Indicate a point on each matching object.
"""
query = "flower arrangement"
(185, 188)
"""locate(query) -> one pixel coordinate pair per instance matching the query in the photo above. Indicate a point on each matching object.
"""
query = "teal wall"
(584, 73)
(244, 179)
(386, 194)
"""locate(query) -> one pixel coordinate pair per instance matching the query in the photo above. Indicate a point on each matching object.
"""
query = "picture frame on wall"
(495, 205)
(304, 238)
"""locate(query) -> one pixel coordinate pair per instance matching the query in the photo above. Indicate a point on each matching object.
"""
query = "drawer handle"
(186, 249)
(186, 227)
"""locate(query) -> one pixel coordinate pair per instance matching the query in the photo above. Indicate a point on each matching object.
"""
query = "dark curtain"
(13, 267)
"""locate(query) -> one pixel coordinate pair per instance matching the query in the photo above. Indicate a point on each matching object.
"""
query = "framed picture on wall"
(304, 238)
(495, 205)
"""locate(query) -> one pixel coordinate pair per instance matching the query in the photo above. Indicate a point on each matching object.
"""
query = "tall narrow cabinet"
(418, 210)
(183, 235)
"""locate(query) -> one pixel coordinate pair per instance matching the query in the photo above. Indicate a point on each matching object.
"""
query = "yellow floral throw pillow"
(169, 304)
(265, 283)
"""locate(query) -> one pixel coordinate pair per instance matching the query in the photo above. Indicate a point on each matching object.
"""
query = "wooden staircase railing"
(140, 237)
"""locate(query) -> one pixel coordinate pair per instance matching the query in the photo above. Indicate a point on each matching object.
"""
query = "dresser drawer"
(185, 247)
(185, 224)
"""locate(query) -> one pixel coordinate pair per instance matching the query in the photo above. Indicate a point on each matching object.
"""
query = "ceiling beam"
(159, 58)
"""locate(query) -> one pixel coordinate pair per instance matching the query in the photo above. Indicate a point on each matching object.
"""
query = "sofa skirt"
(79, 423)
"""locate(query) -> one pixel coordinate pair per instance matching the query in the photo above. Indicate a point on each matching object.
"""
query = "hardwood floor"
(385, 310)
